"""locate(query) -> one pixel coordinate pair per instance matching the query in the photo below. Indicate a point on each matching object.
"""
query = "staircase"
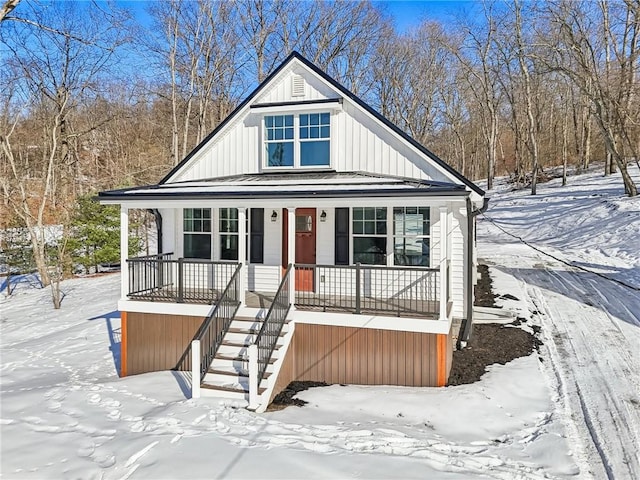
(228, 375)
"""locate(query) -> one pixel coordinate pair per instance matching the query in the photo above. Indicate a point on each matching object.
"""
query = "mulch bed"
(490, 343)
(285, 397)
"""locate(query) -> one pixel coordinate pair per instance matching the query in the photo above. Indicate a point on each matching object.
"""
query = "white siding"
(280, 90)
(169, 231)
(360, 142)
(272, 237)
(262, 278)
(325, 237)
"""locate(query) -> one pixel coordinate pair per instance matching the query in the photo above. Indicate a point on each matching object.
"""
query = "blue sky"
(406, 13)
(410, 13)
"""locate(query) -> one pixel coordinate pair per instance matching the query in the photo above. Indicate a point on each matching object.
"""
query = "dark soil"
(490, 343)
(285, 397)
(484, 296)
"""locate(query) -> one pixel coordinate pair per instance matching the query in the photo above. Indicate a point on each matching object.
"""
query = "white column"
(390, 237)
(195, 369)
(253, 377)
(444, 255)
(124, 252)
(291, 250)
(242, 251)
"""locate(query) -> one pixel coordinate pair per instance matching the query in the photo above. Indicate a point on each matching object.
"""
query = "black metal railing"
(181, 280)
(273, 323)
(369, 289)
(215, 326)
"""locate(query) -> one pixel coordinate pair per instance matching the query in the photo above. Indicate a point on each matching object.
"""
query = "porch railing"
(215, 326)
(368, 289)
(182, 280)
(273, 323)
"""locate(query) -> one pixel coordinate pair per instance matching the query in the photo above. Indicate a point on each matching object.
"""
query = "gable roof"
(344, 91)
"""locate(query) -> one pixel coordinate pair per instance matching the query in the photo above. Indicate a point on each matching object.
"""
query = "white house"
(306, 238)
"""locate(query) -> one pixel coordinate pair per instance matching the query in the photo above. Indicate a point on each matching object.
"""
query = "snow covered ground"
(66, 414)
(590, 324)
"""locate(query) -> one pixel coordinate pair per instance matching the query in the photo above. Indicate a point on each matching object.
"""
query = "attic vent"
(297, 86)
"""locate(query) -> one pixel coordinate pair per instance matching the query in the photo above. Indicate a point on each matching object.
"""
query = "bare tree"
(50, 74)
(598, 49)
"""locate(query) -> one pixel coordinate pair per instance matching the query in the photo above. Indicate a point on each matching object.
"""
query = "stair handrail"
(210, 339)
(273, 323)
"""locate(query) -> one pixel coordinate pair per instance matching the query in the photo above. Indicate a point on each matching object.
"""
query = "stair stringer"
(267, 396)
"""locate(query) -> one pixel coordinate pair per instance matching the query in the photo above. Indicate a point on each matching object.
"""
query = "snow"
(571, 412)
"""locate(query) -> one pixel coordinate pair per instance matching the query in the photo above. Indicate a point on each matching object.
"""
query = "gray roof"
(319, 184)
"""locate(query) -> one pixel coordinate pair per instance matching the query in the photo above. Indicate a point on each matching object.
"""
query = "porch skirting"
(154, 342)
(366, 356)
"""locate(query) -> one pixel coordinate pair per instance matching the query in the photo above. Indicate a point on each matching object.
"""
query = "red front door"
(305, 245)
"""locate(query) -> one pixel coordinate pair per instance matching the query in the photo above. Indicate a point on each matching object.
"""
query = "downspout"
(467, 322)
(158, 216)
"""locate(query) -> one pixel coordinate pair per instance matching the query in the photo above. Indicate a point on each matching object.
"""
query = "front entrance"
(305, 246)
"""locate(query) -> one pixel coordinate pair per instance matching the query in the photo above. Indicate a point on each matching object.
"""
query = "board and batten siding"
(155, 342)
(359, 142)
(365, 356)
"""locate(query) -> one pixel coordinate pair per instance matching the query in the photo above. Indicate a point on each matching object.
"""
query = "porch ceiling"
(324, 184)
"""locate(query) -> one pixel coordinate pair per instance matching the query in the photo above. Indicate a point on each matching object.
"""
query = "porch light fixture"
(274, 216)
(323, 216)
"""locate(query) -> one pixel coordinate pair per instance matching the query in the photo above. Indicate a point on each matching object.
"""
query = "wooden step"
(236, 373)
(221, 388)
(237, 358)
(228, 343)
(246, 331)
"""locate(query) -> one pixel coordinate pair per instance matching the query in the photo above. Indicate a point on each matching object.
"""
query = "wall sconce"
(323, 216)
(274, 216)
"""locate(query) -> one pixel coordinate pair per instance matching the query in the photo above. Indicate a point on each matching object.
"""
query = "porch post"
(443, 262)
(291, 249)
(242, 251)
(124, 251)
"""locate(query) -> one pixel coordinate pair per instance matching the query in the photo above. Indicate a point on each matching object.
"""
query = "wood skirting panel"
(365, 356)
(155, 342)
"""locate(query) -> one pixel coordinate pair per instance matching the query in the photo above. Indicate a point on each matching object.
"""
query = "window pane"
(370, 250)
(381, 228)
(314, 132)
(314, 119)
(381, 213)
(280, 154)
(358, 227)
(411, 251)
(278, 121)
(358, 213)
(304, 223)
(268, 121)
(369, 228)
(369, 213)
(288, 120)
(324, 118)
(304, 133)
(314, 153)
(324, 132)
(288, 133)
(197, 246)
(229, 247)
(304, 120)
(279, 134)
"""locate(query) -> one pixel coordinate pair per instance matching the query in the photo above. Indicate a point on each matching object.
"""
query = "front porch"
(353, 289)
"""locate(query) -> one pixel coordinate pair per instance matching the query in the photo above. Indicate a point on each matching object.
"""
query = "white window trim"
(297, 141)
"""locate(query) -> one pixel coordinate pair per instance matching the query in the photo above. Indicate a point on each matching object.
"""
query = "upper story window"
(298, 140)
(279, 140)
